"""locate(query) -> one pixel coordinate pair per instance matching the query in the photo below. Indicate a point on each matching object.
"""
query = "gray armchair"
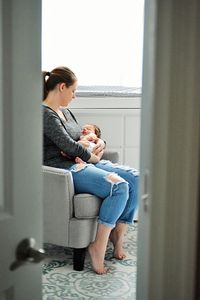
(70, 219)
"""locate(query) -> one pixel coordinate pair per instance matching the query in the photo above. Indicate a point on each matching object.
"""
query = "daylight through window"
(100, 40)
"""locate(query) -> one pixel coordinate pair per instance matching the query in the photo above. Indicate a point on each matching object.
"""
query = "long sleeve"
(60, 135)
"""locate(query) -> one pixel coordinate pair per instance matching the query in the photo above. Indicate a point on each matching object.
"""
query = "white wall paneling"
(120, 126)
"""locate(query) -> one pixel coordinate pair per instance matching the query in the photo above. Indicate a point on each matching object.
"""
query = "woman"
(120, 184)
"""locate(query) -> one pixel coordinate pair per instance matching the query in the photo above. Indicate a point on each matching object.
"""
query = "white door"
(20, 146)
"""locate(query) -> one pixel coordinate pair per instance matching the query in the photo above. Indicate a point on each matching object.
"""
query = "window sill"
(108, 91)
(106, 102)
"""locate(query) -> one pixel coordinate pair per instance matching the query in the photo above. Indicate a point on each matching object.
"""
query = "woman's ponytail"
(45, 90)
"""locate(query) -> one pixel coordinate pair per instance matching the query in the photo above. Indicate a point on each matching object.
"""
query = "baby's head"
(91, 128)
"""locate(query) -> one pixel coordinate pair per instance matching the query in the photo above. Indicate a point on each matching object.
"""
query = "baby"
(90, 135)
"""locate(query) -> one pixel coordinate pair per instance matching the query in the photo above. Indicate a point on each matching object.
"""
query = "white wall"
(119, 120)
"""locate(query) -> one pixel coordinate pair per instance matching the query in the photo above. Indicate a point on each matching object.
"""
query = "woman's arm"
(94, 158)
(57, 133)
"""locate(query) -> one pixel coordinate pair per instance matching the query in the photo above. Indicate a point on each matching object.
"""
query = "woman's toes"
(97, 259)
(119, 253)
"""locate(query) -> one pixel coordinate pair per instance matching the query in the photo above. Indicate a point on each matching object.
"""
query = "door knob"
(27, 253)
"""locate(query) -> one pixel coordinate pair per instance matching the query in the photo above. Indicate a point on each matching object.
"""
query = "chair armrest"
(111, 155)
(58, 192)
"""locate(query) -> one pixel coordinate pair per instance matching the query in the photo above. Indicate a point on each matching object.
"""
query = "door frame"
(20, 146)
(169, 190)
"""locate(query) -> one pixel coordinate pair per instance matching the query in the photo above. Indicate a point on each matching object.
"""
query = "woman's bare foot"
(118, 252)
(97, 258)
(117, 239)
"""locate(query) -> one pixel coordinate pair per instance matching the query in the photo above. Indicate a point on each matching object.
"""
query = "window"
(100, 40)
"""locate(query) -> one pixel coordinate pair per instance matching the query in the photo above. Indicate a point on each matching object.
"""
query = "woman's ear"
(61, 86)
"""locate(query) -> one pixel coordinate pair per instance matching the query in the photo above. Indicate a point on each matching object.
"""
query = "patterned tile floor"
(60, 281)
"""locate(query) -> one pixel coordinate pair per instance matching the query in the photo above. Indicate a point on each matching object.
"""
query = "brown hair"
(57, 75)
(97, 130)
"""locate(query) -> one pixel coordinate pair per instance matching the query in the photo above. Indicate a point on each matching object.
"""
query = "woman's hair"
(97, 130)
(57, 75)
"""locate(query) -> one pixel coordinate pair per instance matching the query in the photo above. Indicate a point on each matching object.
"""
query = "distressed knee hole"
(114, 178)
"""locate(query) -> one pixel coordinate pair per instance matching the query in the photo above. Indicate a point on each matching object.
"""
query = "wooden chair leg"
(79, 258)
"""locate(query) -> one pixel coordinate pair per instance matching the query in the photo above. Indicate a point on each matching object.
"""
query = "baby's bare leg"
(78, 160)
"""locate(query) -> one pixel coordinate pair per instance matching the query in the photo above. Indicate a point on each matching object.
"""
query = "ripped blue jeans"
(117, 186)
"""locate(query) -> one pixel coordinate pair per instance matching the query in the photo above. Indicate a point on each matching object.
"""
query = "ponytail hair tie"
(48, 74)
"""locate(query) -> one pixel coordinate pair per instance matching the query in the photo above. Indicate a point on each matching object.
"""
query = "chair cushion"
(86, 206)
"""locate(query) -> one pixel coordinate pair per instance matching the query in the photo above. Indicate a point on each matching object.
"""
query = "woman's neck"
(54, 105)
(52, 102)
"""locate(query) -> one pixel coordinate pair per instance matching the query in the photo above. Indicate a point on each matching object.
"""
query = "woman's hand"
(99, 148)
